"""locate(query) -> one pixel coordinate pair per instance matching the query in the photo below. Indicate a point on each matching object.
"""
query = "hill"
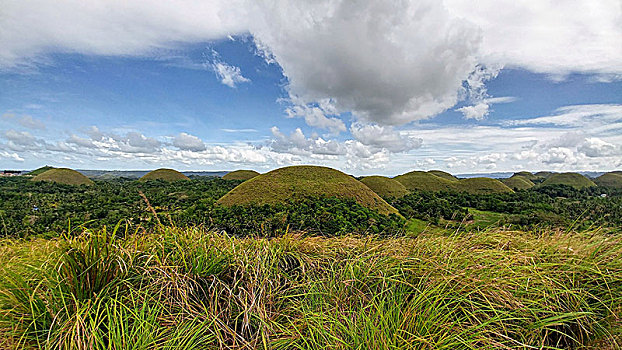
(40, 170)
(164, 174)
(298, 182)
(544, 174)
(525, 174)
(63, 176)
(443, 174)
(518, 182)
(612, 179)
(482, 185)
(241, 175)
(385, 187)
(571, 179)
(422, 181)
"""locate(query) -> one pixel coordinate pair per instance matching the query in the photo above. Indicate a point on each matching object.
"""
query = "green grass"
(422, 181)
(63, 176)
(518, 182)
(482, 185)
(165, 175)
(526, 174)
(612, 179)
(443, 174)
(485, 219)
(385, 187)
(571, 179)
(193, 289)
(40, 170)
(299, 182)
(241, 175)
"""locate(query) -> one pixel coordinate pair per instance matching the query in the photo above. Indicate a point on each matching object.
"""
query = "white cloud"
(577, 116)
(188, 142)
(481, 109)
(229, 75)
(25, 120)
(384, 137)
(315, 115)
(595, 147)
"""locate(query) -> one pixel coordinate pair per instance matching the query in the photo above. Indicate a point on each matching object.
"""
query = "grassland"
(612, 179)
(571, 179)
(240, 175)
(298, 182)
(191, 289)
(63, 176)
(385, 187)
(518, 182)
(423, 181)
(40, 170)
(164, 175)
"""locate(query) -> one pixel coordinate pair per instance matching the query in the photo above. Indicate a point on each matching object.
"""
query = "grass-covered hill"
(424, 181)
(63, 176)
(571, 179)
(443, 174)
(240, 175)
(527, 175)
(518, 182)
(40, 170)
(544, 174)
(165, 175)
(299, 182)
(612, 179)
(385, 187)
(482, 185)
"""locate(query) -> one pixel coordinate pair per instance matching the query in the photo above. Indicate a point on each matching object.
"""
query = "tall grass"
(193, 289)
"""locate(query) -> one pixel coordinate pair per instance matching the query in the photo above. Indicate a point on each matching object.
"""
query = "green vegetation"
(195, 289)
(482, 185)
(518, 182)
(570, 179)
(40, 170)
(164, 175)
(63, 176)
(527, 175)
(443, 174)
(385, 187)
(611, 179)
(240, 175)
(422, 181)
(299, 182)
(544, 174)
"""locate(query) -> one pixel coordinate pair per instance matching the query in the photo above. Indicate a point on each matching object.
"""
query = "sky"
(367, 87)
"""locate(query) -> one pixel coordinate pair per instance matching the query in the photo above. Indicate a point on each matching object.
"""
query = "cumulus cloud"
(481, 109)
(11, 156)
(595, 147)
(321, 115)
(25, 120)
(229, 75)
(188, 142)
(384, 137)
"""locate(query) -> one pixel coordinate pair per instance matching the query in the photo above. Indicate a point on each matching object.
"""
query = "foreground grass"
(191, 289)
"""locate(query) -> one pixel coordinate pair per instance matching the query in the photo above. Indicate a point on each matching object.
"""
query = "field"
(193, 289)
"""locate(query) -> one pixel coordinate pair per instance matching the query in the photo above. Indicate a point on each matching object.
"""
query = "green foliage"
(40, 170)
(195, 289)
(482, 185)
(571, 179)
(518, 182)
(242, 175)
(609, 180)
(164, 175)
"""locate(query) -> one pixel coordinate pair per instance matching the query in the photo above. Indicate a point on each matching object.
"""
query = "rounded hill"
(571, 179)
(165, 175)
(40, 170)
(612, 179)
(482, 185)
(422, 181)
(518, 182)
(241, 175)
(299, 182)
(525, 174)
(443, 174)
(385, 187)
(63, 176)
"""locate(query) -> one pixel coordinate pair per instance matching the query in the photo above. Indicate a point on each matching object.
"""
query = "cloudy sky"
(368, 87)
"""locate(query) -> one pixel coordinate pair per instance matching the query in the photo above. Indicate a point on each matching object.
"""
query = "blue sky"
(195, 89)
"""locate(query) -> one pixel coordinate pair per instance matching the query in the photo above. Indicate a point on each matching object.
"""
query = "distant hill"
(544, 174)
(571, 179)
(299, 182)
(612, 179)
(63, 176)
(518, 182)
(526, 175)
(482, 185)
(165, 175)
(385, 187)
(240, 175)
(443, 174)
(423, 181)
(40, 170)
